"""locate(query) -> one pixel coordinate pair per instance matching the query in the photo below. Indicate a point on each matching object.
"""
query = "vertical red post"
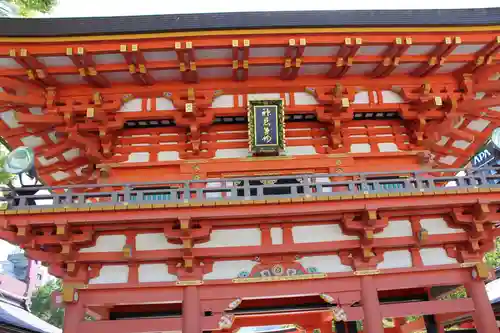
(74, 313)
(372, 322)
(484, 317)
(191, 310)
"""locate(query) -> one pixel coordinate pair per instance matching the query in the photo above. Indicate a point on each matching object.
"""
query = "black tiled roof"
(46, 27)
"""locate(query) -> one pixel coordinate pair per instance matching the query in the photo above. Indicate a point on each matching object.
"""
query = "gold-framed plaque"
(266, 126)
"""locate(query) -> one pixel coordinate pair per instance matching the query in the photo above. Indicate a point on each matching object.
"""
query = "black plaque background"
(259, 125)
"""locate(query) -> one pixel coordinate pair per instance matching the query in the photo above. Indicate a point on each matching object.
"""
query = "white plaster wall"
(253, 97)
(478, 125)
(391, 97)
(134, 105)
(325, 264)
(9, 118)
(461, 144)
(399, 228)
(360, 148)
(229, 269)
(154, 241)
(71, 154)
(59, 175)
(361, 98)
(302, 98)
(138, 157)
(107, 243)
(319, 233)
(168, 156)
(448, 160)
(301, 150)
(111, 274)
(438, 226)
(233, 237)
(436, 256)
(276, 236)
(164, 104)
(155, 273)
(396, 259)
(231, 153)
(32, 141)
(223, 101)
(43, 161)
(387, 147)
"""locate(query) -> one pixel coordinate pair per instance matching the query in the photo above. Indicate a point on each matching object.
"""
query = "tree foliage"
(27, 7)
(42, 307)
(493, 258)
(5, 177)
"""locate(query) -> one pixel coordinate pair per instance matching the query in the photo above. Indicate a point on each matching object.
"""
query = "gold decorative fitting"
(235, 43)
(303, 42)
(359, 41)
(189, 45)
(135, 47)
(458, 40)
(92, 71)
(12, 52)
(127, 251)
(481, 270)
(327, 298)
(189, 107)
(178, 45)
(399, 41)
(80, 51)
(447, 40)
(192, 66)
(280, 278)
(142, 69)
(246, 42)
(367, 272)
(82, 71)
(69, 51)
(186, 243)
(127, 98)
(90, 112)
(131, 68)
(347, 41)
(123, 48)
(409, 40)
(234, 304)
(24, 53)
(31, 74)
(60, 230)
(235, 64)
(189, 283)
(182, 67)
(291, 42)
(188, 263)
(245, 64)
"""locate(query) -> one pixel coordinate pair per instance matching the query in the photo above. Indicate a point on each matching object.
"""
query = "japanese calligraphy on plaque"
(266, 127)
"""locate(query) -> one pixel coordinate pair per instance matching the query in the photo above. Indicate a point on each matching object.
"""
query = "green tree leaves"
(27, 7)
(42, 307)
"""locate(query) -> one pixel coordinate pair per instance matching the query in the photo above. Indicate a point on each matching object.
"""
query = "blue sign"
(484, 157)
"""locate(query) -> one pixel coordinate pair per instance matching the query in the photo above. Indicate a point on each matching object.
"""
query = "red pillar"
(372, 322)
(191, 310)
(74, 313)
(484, 317)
